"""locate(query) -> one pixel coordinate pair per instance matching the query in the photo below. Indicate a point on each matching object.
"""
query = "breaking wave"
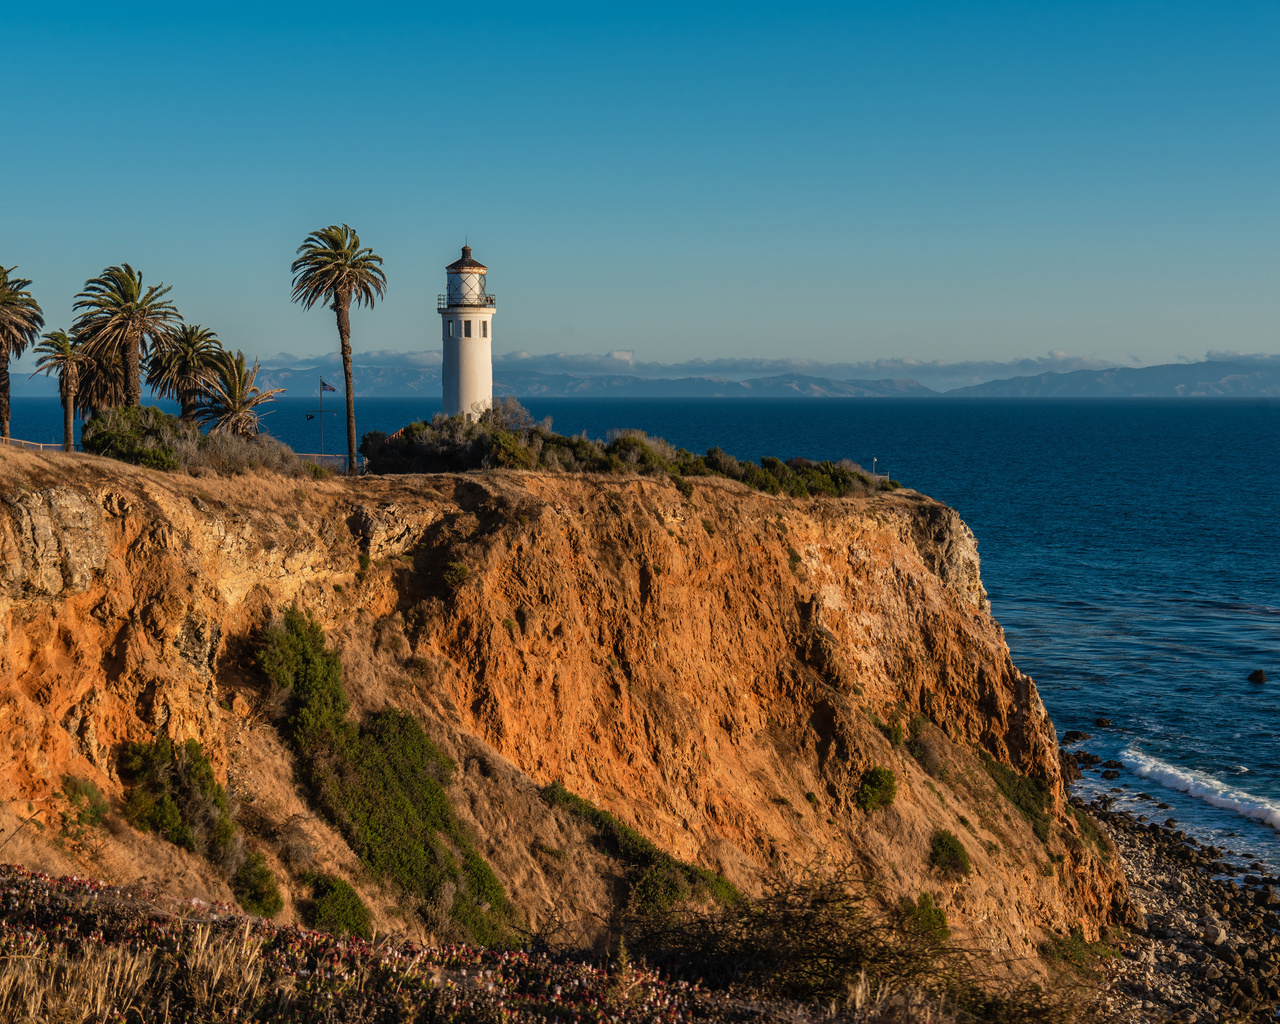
(1201, 786)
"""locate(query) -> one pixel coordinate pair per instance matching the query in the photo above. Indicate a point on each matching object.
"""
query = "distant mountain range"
(790, 385)
(418, 375)
(1229, 378)
(384, 381)
(1251, 377)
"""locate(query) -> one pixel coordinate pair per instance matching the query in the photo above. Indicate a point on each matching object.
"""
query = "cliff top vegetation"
(507, 436)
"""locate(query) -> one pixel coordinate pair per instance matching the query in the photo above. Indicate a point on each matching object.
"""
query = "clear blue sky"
(839, 182)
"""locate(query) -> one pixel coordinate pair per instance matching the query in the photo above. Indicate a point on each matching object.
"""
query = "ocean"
(1131, 549)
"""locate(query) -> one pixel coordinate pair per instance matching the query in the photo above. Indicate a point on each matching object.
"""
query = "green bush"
(175, 794)
(144, 435)
(335, 907)
(879, 787)
(255, 887)
(382, 782)
(922, 917)
(658, 880)
(1075, 952)
(1029, 796)
(947, 853)
(89, 806)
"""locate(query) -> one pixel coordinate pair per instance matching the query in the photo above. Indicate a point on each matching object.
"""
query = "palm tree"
(231, 397)
(119, 317)
(332, 267)
(101, 381)
(20, 323)
(60, 354)
(181, 365)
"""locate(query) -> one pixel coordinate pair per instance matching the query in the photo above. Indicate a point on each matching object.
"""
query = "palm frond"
(333, 266)
(182, 363)
(20, 314)
(119, 316)
(232, 400)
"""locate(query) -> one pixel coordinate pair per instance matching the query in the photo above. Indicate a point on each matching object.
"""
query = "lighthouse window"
(466, 328)
(484, 328)
(450, 325)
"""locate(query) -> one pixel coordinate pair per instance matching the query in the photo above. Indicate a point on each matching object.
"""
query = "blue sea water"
(1131, 549)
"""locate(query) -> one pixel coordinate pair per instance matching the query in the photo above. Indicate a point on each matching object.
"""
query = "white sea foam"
(1202, 787)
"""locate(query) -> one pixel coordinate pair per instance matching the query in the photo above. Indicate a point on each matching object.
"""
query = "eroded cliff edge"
(709, 669)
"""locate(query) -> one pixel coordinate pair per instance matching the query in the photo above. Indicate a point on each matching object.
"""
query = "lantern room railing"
(472, 302)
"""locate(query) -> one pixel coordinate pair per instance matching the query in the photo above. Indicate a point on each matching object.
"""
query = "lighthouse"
(466, 320)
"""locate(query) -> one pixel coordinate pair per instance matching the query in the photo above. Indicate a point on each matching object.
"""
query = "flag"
(310, 417)
(326, 387)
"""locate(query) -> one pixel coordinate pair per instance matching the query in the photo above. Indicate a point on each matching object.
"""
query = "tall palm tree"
(120, 317)
(231, 400)
(181, 365)
(60, 354)
(20, 323)
(331, 266)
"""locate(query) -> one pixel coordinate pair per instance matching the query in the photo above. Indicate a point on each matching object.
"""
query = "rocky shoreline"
(1206, 946)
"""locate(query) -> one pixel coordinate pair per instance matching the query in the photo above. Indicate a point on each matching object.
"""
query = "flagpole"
(322, 421)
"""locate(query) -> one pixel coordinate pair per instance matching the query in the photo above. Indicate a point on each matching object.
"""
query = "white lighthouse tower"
(466, 315)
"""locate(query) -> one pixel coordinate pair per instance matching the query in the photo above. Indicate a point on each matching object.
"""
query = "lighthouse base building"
(466, 330)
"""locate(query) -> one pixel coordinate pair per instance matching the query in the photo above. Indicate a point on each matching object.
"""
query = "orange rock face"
(714, 671)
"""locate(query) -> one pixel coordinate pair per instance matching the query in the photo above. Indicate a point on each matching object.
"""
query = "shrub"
(146, 435)
(175, 794)
(455, 575)
(506, 436)
(924, 749)
(810, 937)
(255, 887)
(658, 880)
(1074, 952)
(336, 907)
(922, 917)
(1029, 796)
(90, 807)
(947, 853)
(382, 783)
(878, 788)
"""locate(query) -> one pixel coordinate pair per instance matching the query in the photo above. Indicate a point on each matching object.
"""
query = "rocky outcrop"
(714, 670)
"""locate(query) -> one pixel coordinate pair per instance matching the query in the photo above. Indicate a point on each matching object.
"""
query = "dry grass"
(61, 988)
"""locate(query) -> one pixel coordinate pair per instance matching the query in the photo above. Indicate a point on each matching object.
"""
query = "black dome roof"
(466, 263)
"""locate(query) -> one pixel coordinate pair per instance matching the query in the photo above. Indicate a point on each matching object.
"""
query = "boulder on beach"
(1073, 736)
(1257, 676)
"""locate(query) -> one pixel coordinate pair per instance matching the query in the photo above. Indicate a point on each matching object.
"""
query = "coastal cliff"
(718, 671)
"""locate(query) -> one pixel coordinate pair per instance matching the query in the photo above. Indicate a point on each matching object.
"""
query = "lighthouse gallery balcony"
(469, 302)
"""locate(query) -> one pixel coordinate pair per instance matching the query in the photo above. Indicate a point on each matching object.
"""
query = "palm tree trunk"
(68, 414)
(342, 307)
(133, 370)
(4, 393)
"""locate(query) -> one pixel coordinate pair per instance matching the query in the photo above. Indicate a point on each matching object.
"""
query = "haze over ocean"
(1131, 550)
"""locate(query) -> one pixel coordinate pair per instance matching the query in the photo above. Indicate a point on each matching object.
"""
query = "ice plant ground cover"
(79, 950)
